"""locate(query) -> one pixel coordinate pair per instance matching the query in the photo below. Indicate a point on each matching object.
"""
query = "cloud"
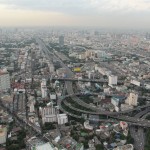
(81, 6)
(121, 5)
(65, 6)
(103, 13)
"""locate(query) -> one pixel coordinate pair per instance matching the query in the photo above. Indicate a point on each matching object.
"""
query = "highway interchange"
(69, 88)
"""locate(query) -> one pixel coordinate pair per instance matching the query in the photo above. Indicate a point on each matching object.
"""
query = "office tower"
(61, 41)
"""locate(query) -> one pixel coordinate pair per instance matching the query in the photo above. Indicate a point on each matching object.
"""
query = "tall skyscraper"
(61, 41)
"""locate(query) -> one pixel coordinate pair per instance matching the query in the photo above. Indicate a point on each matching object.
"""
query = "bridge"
(83, 80)
(115, 115)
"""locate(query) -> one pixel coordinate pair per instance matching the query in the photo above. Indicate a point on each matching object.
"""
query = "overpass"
(83, 80)
(131, 120)
(96, 110)
(68, 84)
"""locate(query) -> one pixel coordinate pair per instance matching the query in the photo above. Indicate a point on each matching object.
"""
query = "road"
(69, 88)
(138, 134)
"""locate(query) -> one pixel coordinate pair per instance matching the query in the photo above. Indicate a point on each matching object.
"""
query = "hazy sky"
(102, 13)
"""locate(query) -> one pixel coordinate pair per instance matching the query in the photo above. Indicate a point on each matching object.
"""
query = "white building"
(43, 88)
(3, 134)
(132, 99)
(113, 80)
(48, 114)
(51, 114)
(62, 118)
(87, 125)
(4, 80)
(135, 82)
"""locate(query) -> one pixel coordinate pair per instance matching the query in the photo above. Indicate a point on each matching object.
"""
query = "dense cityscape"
(74, 89)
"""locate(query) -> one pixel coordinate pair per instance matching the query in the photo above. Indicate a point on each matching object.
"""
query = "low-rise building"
(125, 147)
(113, 80)
(87, 125)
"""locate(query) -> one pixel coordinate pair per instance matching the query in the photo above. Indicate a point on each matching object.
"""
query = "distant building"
(113, 80)
(132, 99)
(4, 80)
(61, 41)
(3, 134)
(43, 88)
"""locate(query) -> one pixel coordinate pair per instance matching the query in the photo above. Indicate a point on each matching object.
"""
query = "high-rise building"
(61, 41)
(50, 113)
(43, 88)
(132, 99)
(4, 80)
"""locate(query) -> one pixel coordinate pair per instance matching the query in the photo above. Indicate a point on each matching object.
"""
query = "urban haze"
(74, 75)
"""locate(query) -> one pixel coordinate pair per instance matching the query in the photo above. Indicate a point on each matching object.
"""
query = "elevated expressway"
(69, 88)
(138, 134)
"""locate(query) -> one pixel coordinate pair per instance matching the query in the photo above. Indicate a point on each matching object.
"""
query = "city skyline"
(98, 13)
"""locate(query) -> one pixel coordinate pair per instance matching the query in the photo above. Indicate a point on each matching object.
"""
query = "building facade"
(132, 100)
(48, 114)
(4, 80)
(113, 80)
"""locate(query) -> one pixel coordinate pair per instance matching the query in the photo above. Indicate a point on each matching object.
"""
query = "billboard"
(77, 69)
